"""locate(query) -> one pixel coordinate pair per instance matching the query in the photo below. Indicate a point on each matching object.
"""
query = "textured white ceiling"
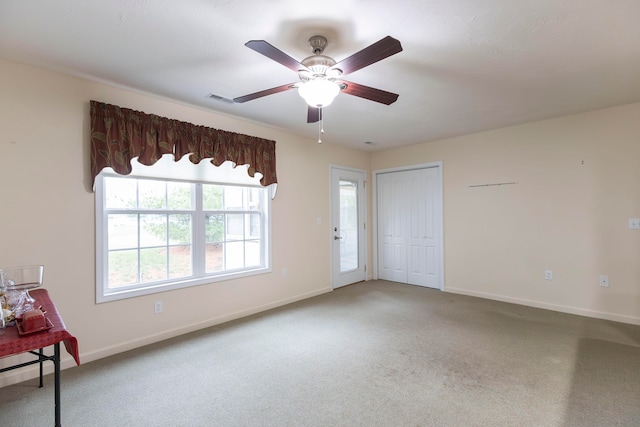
(467, 65)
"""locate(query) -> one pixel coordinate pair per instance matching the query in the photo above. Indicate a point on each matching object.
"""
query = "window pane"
(123, 268)
(252, 253)
(214, 228)
(120, 193)
(254, 198)
(153, 264)
(179, 229)
(212, 197)
(235, 227)
(234, 256)
(154, 230)
(214, 257)
(122, 231)
(152, 194)
(180, 264)
(233, 198)
(180, 195)
(254, 226)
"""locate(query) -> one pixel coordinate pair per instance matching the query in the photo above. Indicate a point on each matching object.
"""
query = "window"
(155, 234)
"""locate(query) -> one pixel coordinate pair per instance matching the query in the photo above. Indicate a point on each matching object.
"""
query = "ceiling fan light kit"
(321, 76)
(319, 87)
(319, 92)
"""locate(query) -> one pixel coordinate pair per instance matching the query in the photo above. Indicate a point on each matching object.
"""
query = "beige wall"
(578, 183)
(47, 214)
(576, 188)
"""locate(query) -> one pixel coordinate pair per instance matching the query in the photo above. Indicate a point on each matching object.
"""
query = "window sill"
(115, 295)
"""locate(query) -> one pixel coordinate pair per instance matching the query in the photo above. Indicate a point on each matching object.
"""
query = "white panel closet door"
(424, 261)
(416, 221)
(392, 252)
(385, 263)
(408, 226)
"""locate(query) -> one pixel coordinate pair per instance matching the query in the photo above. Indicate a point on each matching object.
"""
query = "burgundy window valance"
(119, 135)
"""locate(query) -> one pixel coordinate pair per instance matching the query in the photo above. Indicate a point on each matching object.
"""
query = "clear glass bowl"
(15, 283)
(21, 278)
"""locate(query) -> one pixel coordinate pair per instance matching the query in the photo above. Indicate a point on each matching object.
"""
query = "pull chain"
(320, 126)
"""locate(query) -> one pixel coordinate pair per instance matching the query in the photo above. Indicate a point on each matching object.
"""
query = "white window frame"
(104, 294)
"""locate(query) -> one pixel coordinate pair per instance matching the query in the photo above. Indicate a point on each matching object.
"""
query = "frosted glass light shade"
(319, 92)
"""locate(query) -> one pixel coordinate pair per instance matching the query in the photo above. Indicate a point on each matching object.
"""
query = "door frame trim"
(374, 208)
(365, 215)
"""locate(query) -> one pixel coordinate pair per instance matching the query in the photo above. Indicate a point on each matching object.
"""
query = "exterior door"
(348, 244)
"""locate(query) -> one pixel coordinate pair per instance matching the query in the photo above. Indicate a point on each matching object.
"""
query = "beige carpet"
(371, 354)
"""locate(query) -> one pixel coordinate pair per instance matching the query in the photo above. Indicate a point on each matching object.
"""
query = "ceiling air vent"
(220, 98)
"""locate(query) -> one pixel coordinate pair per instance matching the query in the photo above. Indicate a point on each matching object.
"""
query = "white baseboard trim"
(547, 306)
(28, 373)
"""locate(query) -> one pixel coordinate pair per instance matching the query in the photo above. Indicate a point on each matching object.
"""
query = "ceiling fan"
(321, 76)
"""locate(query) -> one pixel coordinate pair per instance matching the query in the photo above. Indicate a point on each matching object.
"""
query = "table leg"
(41, 352)
(56, 380)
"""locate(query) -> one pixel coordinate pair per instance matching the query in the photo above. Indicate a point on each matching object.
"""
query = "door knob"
(337, 237)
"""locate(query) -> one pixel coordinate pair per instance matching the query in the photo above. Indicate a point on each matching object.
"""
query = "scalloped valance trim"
(118, 135)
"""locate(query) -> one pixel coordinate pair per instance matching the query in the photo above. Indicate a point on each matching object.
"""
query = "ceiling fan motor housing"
(319, 66)
(317, 43)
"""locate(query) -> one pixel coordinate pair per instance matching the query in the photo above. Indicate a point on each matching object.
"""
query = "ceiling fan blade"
(265, 92)
(275, 54)
(313, 114)
(379, 50)
(370, 93)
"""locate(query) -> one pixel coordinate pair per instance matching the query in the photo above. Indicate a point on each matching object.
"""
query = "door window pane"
(348, 225)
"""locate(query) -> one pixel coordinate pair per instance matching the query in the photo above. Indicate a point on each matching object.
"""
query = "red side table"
(12, 343)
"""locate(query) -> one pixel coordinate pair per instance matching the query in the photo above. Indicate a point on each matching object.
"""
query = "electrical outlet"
(157, 307)
(634, 223)
(548, 275)
(604, 281)
(285, 273)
